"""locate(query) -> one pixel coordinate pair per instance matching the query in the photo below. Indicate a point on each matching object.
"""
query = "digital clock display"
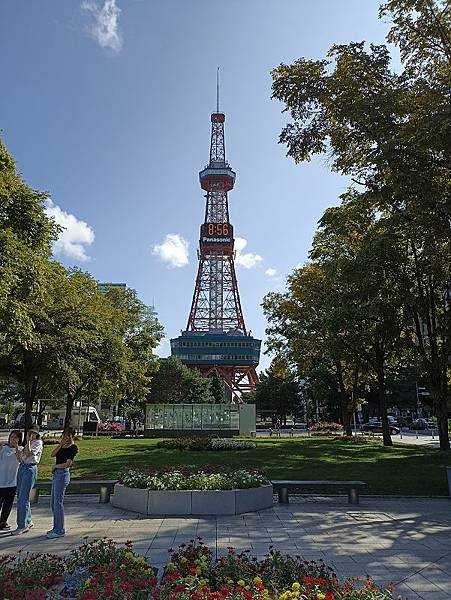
(216, 232)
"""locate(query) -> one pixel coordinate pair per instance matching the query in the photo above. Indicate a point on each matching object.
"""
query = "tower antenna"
(217, 90)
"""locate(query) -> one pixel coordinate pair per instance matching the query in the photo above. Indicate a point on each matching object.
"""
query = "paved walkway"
(404, 541)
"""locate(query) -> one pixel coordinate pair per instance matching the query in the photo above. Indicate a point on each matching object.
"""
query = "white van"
(80, 414)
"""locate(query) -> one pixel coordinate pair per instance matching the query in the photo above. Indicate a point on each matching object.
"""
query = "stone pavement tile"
(157, 557)
(437, 577)
(420, 584)
(260, 547)
(162, 543)
(406, 592)
(338, 558)
(436, 596)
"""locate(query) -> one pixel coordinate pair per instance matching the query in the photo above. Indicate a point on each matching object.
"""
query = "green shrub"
(187, 443)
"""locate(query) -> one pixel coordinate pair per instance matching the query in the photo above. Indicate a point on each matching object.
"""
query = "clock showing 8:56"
(216, 230)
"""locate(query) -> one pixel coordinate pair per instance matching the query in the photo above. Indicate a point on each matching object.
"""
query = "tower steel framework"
(215, 337)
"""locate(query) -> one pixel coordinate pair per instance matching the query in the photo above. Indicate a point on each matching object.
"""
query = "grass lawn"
(405, 470)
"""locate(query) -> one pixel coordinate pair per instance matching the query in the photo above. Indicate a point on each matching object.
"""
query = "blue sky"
(106, 104)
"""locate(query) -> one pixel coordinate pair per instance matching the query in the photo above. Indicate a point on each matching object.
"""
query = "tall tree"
(217, 388)
(175, 383)
(278, 391)
(390, 133)
(25, 247)
(305, 326)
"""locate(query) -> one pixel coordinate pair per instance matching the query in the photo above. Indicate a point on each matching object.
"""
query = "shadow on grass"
(387, 470)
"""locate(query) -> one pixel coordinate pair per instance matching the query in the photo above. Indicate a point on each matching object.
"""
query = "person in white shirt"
(8, 476)
(27, 474)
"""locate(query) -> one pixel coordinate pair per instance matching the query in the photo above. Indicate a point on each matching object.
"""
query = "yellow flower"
(170, 566)
(296, 586)
(140, 559)
(183, 560)
(257, 580)
(241, 582)
(129, 555)
(87, 582)
(229, 581)
(320, 596)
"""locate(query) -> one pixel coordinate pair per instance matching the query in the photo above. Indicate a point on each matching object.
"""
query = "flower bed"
(198, 443)
(213, 477)
(192, 574)
(99, 569)
(103, 569)
(188, 491)
(325, 428)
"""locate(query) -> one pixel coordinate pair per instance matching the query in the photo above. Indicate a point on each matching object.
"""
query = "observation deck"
(217, 175)
(198, 348)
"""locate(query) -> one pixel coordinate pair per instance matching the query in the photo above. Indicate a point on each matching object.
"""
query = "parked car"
(423, 423)
(376, 427)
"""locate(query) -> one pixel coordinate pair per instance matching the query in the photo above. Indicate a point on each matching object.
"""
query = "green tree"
(25, 247)
(175, 383)
(277, 391)
(305, 327)
(217, 388)
(389, 132)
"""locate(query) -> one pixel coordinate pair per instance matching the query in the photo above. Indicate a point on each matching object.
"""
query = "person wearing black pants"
(9, 465)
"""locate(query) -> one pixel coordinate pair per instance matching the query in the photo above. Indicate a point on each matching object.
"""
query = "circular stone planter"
(192, 502)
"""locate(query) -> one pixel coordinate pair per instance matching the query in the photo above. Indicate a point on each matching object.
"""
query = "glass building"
(182, 419)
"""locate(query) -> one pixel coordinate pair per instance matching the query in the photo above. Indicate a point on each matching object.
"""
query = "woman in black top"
(64, 455)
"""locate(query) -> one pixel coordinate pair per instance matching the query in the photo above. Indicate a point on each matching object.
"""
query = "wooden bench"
(103, 486)
(352, 487)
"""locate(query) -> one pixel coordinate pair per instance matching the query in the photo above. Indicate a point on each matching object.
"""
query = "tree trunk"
(69, 406)
(382, 399)
(440, 399)
(42, 406)
(344, 402)
(31, 388)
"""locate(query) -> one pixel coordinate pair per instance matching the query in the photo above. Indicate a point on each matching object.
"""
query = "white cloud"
(74, 238)
(271, 272)
(245, 259)
(164, 348)
(104, 28)
(173, 250)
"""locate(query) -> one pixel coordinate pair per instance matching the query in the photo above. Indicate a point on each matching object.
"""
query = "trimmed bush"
(186, 443)
(198, 443)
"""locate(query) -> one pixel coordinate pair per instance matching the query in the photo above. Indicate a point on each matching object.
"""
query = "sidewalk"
(406, 541)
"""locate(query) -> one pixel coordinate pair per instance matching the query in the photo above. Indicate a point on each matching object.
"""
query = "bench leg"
(353, 496)
(34, 496)
(105, 494)
(283, 496)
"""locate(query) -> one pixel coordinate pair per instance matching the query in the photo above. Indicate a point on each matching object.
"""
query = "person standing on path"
(9, 466)
(29, 459)
(64, 455)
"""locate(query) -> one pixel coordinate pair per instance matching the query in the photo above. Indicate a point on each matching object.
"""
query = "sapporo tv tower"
(216, 336)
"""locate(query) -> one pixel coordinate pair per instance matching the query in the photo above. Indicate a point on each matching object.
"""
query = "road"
(407, 437)
(410, 437)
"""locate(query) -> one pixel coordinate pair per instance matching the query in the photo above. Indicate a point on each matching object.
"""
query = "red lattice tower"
(216, 336)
